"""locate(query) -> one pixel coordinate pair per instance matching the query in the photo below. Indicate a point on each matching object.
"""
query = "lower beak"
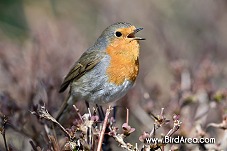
(136, 31)
(139, 38)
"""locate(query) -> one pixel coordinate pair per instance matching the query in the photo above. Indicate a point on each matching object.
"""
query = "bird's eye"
(118, 34)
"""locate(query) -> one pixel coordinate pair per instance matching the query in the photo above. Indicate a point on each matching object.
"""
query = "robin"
(106, 71)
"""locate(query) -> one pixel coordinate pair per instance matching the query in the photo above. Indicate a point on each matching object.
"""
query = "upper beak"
(136, 31)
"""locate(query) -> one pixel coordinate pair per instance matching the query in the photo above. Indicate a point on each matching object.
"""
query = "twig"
(127, 115)
(103, 128)
(89, 112)
(3, 131)
(160, 120)
(176, 126)
(89, 136)
(34, 146)
(78, 112)
(152, 133)
(162, 112)
(120, 139)
(4, 138)
(41, 112)
(54, 143)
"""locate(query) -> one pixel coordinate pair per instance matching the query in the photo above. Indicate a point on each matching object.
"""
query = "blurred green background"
(40, 41)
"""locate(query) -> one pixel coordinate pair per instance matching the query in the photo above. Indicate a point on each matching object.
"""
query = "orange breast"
(124, 64)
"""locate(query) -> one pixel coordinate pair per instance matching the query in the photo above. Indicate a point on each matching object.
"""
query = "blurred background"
(41, 40)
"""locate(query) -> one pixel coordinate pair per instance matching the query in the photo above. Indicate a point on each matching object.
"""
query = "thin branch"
(162, 112)
(78, 112)
(3, 131)
(104, 128)
(127, 115)
(41, 112)
(54, 143)
(33, 146)
(120, 139)
(176, 126)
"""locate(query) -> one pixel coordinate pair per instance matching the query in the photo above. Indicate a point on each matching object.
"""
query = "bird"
(106, 71)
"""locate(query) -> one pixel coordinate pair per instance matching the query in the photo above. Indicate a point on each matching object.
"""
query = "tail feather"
(65, 109)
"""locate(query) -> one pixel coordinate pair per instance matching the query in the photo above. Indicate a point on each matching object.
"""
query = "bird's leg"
(101, 112)
(87, 104)
(114, 112)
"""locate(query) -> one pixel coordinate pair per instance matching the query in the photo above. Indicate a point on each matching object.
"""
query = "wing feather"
(86, 62)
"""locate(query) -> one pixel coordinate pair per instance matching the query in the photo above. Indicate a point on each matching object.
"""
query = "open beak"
(132, 35)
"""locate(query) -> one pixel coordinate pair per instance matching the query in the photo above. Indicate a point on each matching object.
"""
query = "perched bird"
(106, 71)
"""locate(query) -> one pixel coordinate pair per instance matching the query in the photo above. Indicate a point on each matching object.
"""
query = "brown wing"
(86, 62)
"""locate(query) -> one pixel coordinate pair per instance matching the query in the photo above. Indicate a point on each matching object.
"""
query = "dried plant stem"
(5, 120)
(103, 128)
(4, 138)
(41, 112)
(127, 115)
(120, 139)
(34, 146)
(162, 112)
(61, 127)
(152, 133)
(78, 112)
(176, 126)
(54, 142)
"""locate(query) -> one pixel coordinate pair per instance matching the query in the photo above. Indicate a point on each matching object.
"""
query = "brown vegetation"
(182, 69)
